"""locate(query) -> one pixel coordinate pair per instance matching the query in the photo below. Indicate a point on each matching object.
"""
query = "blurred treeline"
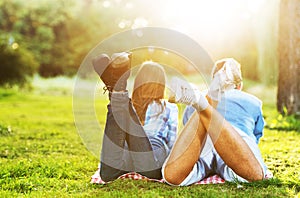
(52, 37)
(56, 34)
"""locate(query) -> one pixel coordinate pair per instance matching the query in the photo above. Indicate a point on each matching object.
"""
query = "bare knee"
(172, 175)
(254, 174)
(258, 175)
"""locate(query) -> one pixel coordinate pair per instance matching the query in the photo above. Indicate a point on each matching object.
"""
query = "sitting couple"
(140, 133)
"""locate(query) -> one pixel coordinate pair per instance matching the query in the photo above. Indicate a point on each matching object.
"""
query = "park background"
(43, 43)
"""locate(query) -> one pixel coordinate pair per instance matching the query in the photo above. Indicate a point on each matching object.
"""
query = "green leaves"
(284, 122)
(17, 64)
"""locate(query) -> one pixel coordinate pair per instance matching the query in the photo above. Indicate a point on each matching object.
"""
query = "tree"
(60, 33)
(17, 63)
(288, 98)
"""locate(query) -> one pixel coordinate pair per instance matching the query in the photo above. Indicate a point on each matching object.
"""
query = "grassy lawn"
(42, 154)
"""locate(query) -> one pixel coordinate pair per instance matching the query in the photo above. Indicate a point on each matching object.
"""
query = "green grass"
(42, 154)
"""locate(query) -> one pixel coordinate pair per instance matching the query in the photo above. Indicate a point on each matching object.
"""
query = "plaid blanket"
(215, 179)
(96, 179)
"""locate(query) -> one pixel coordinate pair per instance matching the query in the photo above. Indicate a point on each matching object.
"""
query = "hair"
(149, 86)
(232, 67)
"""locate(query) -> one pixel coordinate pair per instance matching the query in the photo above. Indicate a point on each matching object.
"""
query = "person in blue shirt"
(139, 132)
(219, 141)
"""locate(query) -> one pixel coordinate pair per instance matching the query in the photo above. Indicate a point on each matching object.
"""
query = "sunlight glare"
(254, 5)
(15, 46)
(124, 23)
(106, 4)
(139, 23)
(129, 5)
(210, 16)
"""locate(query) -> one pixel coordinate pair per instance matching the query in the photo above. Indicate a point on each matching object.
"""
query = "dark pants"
(126, 147)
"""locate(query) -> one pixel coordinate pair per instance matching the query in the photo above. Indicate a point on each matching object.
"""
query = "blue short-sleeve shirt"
(240, 109)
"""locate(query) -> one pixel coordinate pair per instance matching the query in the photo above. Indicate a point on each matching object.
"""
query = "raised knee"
(258, 176)
(172, 176)
(255, 175)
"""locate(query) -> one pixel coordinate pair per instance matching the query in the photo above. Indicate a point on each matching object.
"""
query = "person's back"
(234, 155)
(126, 147)
(240, 109)
(158, 117)
(161, 122)
(243, 111)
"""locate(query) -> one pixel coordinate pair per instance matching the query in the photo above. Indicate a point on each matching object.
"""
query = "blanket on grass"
(96, 179)
(215, 179)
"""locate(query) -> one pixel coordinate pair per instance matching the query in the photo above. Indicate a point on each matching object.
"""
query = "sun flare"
(211, 17)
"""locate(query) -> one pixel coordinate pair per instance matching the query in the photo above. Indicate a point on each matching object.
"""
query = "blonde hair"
(232, 69)
(149, 86)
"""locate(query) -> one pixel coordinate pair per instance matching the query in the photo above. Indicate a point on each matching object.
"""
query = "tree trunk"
(288, 97)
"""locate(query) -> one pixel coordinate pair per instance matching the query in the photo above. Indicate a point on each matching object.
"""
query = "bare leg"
(228, 143)
(186, 151)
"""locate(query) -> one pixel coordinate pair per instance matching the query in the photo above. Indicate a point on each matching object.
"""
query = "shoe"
(217, 86)
(182, 92)
(113, 71)
(226, 78)
(186, 93)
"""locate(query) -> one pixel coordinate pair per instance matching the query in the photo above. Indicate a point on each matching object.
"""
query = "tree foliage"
(60, 33)
(17, 64)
